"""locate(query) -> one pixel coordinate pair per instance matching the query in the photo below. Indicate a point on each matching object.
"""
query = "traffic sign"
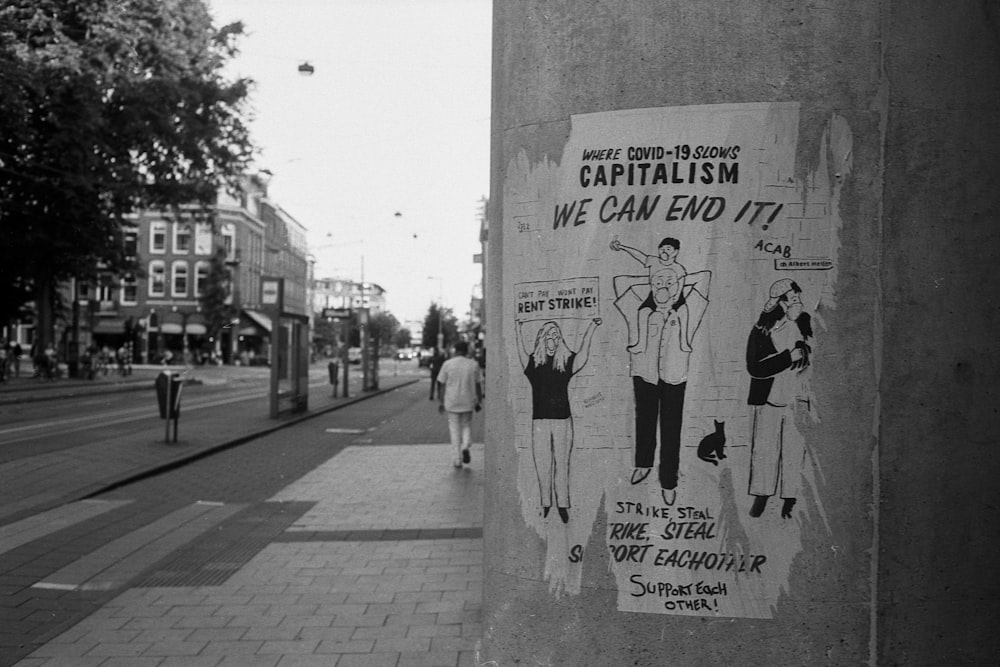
(341, 313)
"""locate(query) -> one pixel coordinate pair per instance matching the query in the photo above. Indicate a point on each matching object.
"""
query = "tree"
(402, 337)
(383, 326)
(324, 332)
(216, 302)
(449, 326)
(108, 106)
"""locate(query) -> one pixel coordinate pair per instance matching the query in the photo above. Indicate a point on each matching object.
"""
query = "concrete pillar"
(820, 352)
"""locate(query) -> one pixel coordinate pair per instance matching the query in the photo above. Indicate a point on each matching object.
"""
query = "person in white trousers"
(460, 392)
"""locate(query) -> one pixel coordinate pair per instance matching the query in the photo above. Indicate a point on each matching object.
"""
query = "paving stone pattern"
(306, 599)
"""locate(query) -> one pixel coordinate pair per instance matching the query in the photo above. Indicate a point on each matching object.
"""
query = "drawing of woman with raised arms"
(549, 367)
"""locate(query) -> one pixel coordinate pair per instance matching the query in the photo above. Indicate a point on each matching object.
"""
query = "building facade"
(157, 313)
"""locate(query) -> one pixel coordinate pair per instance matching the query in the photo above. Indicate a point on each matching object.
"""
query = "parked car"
(354, 355)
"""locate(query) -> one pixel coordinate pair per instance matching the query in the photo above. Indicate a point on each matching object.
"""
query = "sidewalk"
(34, 484)
(379, 562)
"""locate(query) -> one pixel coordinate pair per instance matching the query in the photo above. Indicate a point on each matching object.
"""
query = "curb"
(183, 459)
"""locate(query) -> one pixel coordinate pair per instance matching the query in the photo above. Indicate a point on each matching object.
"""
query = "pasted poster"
(664, 290)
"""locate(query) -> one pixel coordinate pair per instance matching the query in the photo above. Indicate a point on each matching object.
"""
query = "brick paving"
(373, 558)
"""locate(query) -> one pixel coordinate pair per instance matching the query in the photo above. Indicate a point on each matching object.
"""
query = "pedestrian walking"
(3, 361)
(87, 364)
(437, 359)
(37, 359)
(15, 357)
(460, 392)
(94, 353)
(50, 362)
(127, 360)
(124, 358)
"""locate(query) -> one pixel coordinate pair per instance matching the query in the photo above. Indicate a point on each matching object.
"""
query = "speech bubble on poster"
(569, 298)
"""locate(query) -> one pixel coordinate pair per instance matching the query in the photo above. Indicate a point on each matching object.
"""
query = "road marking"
(28, 530)
(350, 431)
(54, 587)
(119, 561)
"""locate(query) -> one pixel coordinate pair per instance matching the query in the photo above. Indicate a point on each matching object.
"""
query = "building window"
(229, 242)
(158, 237)
(157, 278)
(179, 279)
(104, 293)
(182, 237)
(130, 290)
(200, 278)
(203, 239)
(131, 244)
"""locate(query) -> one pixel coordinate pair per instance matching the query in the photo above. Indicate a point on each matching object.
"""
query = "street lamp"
(440, 335)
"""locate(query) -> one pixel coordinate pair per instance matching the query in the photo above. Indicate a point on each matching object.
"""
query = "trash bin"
(168, 392)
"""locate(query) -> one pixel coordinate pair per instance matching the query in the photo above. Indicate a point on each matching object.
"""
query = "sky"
(383, 153)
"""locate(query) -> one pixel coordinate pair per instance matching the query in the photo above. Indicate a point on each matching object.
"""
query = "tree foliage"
(449, 326)
(402, 337)
(324, 330)
(106, 107)
(215, 300)
(383, 326)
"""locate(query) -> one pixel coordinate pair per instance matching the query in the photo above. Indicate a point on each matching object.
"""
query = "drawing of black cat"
(712, 447)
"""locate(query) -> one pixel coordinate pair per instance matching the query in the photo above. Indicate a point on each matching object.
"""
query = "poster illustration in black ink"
(549, 363)
(664, 284)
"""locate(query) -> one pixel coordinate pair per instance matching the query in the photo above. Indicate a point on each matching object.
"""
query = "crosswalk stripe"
(28, 530)
(117, 562)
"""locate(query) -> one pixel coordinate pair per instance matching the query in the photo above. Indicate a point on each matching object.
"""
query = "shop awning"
(259, 319)
(179, 322)
(196, 325)
(109, 325)
(171, 323)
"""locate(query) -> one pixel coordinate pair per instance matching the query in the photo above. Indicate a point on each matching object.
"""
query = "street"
(203, 563)
(62, 441)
